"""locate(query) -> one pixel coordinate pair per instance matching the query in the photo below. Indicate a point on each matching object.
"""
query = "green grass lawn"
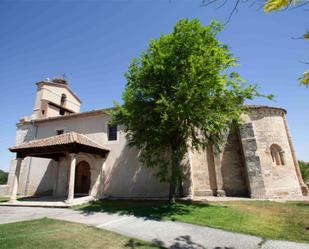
(48, 233)
(3, 199)
(287, 221)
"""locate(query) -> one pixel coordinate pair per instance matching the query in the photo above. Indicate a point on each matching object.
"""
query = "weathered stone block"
(246, 131)
(249, 144)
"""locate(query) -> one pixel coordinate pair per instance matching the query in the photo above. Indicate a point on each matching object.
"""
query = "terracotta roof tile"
(63, 139)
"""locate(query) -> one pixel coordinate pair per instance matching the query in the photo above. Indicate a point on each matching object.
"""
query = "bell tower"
(54, 98)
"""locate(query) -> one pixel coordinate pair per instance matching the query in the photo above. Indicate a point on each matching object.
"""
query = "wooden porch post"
(71, 177)
(16, 180)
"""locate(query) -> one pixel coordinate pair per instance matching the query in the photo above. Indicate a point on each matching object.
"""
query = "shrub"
(3, 177)
(304, 169)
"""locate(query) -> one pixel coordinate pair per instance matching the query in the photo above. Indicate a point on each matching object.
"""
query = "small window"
(112, 132)
(59, 132)
(277, 154)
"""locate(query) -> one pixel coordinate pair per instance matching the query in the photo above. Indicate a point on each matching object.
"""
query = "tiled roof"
(252, 107)
(63, 139)
(105, 111)
(68, 116)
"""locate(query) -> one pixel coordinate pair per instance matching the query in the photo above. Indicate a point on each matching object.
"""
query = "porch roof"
(58, 146)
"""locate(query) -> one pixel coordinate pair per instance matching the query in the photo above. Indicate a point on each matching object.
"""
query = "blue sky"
(92, 42)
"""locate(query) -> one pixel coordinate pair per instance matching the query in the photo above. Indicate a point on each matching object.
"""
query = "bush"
(3, 177)
(304, 169)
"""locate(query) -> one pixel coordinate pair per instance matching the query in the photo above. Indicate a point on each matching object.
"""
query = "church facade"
(63, 152)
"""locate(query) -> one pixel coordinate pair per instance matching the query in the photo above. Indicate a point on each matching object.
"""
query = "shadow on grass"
(3, 199)
(138, 244)
(186, 242)
(181, 242)
(302, 204)
(155, 210)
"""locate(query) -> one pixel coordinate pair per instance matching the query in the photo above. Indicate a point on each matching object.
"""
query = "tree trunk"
(180, 188)
(174, 176)
(171, 196)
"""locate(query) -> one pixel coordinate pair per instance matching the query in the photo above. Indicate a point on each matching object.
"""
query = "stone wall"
(96, 163)
(252, 161)
(221, 173)
(202, 173)
(232, 167)
(245, 166)
(264, 127)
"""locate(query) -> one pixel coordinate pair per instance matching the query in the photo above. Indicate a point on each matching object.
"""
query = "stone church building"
(66, 153)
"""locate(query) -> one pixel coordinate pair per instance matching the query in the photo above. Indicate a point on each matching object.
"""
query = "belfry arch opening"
(63, 99)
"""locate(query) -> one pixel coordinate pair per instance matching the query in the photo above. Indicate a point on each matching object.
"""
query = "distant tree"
(181, 93)
(304, 169)
(3, 177)
(269, 6)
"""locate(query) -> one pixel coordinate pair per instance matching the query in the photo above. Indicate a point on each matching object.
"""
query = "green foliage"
(3, 177)
(304, 169)
(275, 5)
(272, 5)
(181, 92)
(304, 79)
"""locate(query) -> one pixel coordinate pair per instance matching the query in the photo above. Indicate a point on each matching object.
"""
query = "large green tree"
(181, 92)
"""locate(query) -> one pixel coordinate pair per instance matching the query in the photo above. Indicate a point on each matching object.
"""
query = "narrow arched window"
(277, 154)
(63, 99)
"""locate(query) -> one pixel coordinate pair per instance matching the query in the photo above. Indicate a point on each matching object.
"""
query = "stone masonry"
(246, 165)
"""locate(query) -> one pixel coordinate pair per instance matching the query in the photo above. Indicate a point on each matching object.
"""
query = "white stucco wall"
(53, 93)
(122, 174)
(24, 134)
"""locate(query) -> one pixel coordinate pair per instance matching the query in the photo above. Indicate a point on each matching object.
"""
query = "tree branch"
(234, 10)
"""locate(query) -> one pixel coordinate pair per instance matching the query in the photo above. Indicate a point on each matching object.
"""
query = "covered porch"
(78, 163)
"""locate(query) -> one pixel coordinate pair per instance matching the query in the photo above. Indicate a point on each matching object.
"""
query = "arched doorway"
(82, 178)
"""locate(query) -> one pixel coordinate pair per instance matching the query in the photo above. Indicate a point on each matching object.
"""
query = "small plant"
(304, 169)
